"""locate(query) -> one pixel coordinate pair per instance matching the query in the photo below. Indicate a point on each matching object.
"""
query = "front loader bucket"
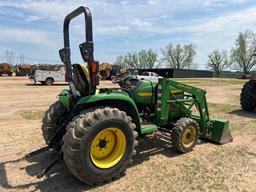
(220, 132)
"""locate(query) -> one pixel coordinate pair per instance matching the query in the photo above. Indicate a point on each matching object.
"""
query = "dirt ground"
(156, 167)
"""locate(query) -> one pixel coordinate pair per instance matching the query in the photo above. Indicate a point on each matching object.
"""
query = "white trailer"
(48, 77)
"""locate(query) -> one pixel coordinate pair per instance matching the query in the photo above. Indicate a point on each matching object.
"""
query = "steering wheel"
(122, 78)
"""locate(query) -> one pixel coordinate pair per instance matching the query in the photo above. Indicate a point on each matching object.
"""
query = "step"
(147, 128)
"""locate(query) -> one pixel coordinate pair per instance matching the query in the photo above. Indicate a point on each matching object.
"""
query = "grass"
(224, 108)
(33, 115)
(216, 170)
(210, 81)
(216, 110)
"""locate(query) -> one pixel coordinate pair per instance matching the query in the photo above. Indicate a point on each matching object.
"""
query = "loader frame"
(213, 130)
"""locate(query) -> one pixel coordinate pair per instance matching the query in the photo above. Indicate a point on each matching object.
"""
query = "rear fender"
(118, 100)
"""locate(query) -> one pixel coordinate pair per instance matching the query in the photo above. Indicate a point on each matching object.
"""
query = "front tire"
(185, 135)
(248, 96)
(99, 144)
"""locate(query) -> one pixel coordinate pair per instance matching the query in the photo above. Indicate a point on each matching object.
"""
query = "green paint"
(65, 99)
(214, 130)
(147, 129)
(122, 96)
(219, 132)
(163, 109)
(107, 96)
(167, 107)
(200, 101)
(144, 89)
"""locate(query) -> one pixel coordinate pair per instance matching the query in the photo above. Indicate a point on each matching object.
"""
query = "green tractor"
(248, 96)
(96, 130)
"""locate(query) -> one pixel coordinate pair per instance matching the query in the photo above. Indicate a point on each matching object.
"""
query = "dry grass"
(33, 115)
(212, 81)
(156, 167)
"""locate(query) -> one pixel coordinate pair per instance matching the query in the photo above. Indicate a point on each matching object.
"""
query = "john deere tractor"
(96, 130)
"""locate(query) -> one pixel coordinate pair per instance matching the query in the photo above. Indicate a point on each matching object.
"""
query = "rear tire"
(185, 135)
(49, 81)
(82, 143)
(50, 120)
(248, 96)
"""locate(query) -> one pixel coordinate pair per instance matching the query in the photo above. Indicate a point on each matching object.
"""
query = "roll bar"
(88, 24)
(86, 48)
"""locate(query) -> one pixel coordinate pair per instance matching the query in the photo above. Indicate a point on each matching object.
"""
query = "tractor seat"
(81, 79)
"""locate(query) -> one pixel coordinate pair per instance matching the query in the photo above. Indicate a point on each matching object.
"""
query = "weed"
(33, 115)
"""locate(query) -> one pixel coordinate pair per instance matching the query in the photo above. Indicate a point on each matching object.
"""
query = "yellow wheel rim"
(189, 136)
(108, 147)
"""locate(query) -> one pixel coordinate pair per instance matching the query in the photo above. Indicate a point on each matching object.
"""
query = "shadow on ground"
(242, 113)
(60, 179)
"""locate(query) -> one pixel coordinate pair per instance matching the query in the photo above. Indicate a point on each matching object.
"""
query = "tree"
(141, 59)
(243, 53)
(120, 60)
(218, 61)
(131, 61)
(147, 59)
(178, 57)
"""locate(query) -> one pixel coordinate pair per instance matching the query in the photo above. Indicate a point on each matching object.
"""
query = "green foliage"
(178, 57)
(243, 53)
(141, 59)
(218, 61)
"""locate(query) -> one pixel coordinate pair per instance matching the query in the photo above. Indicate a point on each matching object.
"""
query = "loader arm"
(214, 130)
(199, 99)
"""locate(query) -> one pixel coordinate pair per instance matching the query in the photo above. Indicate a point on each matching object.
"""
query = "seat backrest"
(81, 79)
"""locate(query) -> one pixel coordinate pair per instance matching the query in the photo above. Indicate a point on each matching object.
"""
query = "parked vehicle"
(24, 69)
(5, 69)
(148, 76)
(108, 71)
(47, 77)
(248, 96)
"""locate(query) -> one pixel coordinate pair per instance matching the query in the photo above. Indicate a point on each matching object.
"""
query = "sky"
(34, 28)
